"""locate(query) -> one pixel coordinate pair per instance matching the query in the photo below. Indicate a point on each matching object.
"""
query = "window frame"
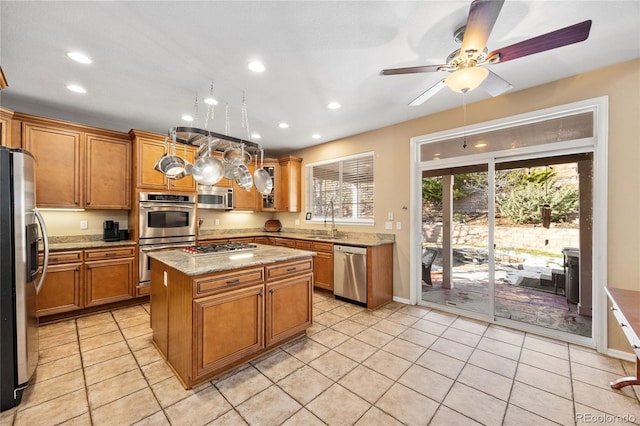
(364, 221)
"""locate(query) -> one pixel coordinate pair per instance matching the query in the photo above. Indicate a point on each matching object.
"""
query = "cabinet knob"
(636, 347)
(623, 324)
(272, 291)
(261, 293)
(613, 308)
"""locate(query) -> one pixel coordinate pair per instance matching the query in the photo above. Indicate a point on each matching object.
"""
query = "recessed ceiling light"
(256, 66)
(315, 136)
(187, 117)
(255, 136)
(76, 88)
(79, 57)
(333, 105)
(283, 125)
(210, 101)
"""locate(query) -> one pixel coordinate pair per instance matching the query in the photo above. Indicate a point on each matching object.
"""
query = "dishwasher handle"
(350, 249)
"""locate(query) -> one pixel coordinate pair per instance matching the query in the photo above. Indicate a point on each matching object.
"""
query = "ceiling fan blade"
(495, 85)
(482, 17)
(562, 37)
(412, 70)
(429, 93)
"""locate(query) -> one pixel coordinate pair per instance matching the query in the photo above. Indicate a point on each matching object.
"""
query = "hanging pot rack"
(196, 137)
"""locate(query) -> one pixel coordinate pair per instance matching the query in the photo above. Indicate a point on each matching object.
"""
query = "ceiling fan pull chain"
(464, 119)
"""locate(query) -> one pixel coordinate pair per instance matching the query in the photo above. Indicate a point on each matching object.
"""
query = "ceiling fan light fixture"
(466, 79)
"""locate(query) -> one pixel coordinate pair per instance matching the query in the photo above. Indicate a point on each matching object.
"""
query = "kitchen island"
(213, 312)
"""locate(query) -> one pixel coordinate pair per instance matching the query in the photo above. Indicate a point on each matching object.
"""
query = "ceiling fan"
(466, 65)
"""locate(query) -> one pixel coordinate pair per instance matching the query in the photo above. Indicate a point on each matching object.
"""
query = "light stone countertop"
(353, 239)
(80, 245)
(201, 264)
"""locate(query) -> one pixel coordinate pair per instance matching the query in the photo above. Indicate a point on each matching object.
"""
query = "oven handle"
(147, 206)
(164, 246)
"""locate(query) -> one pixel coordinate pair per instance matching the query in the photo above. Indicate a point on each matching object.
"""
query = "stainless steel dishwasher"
(350, 274)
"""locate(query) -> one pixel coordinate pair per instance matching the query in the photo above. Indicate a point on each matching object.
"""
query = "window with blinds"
(346, 184)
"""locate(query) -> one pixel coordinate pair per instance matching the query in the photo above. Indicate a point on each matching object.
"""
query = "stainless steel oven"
(166, 217)
(167, 221)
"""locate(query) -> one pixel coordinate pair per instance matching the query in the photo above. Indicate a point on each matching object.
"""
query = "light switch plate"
(398, 225)
(217, 221)
(390, 216)
(297, 221)
(388, 225)
(84, 224)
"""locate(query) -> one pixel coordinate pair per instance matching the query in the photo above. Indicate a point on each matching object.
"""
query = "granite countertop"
(193, 265)
(79, 245)
(353, 239)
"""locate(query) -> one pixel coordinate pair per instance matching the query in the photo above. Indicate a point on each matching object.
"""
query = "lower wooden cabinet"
(80, 279)
(61, 290)
(229, 327)
(323, 265)
(289, 309)
(109, 281)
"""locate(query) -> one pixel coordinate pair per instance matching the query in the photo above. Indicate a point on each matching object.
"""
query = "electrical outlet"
(297, 221)
(388, 225)
(398, 225)
(84, 224)
(217, 221)
(390, 216)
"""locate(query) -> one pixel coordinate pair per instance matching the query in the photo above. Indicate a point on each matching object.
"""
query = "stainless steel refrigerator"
(21, 232)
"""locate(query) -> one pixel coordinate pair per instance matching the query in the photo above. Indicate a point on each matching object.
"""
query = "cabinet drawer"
(285, 242)
(264, 240)
(284, 270)
(225, 280)
(111, 253)
(56, 258)
(304, 245)
(327, 247)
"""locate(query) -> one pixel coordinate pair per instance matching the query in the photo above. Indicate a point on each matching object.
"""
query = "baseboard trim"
(402, 300)
(616, 353)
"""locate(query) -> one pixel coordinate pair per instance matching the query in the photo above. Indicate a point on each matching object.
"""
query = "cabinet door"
(160, 311)
(243, 199)
(149, 152)
(323, 270)
(288, 307)
(61, 290)
(285, 242)
(108, 171)
(289, 192)
(58, 169)
(229, 326)
(187, 183)
(109, 281)
(269, 202)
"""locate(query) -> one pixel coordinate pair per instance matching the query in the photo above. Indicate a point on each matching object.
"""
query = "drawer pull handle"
(232, 282)
(636, 347)
(623, 324)
(292, 269)
(110, 254)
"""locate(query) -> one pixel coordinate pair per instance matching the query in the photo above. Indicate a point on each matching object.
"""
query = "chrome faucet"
(334, 230)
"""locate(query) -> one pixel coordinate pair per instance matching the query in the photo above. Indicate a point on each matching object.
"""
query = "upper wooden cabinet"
(5, 128)
(243, 199)
(148, 149)
(108, 171)
(288, 190)
(77, 166)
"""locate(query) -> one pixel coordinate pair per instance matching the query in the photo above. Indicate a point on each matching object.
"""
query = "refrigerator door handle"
(45, 241)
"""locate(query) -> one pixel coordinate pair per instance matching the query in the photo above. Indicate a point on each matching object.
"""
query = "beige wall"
(65, 223)
(621, 83)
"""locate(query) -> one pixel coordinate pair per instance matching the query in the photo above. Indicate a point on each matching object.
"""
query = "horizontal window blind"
(348, 183)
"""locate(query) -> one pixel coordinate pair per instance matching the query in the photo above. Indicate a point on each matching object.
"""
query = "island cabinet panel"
(61, 291)
(224, 281)
(323, 265)
(160, 311)
(229, 327)
(289, 309)
(288, 269)
(379, 275)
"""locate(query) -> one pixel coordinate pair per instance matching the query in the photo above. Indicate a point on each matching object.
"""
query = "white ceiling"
(150, 59)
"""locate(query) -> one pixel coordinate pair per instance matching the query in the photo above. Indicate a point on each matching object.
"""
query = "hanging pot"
(208, 170)
(236, 156)
(243, 177)
(261, 178)
(173, 166)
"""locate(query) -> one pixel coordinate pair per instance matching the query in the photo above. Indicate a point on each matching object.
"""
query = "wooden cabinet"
(6, 138)
(62, 287)
(229, 327)
(206, 324)
(288, 191)
(289, 307)
(243, 199)
(58, 152)
(148, 149)
(268, 201)
(77, 166)
(323, 265)
(264, 240)
(284, 242)
(109, 275)
(108, 171)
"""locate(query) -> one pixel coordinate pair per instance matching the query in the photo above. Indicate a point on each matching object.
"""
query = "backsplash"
(66, 223)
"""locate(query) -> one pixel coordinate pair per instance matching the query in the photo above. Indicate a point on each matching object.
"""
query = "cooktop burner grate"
(219, 248)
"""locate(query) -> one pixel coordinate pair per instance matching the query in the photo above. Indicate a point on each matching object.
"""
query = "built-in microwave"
(215, 197)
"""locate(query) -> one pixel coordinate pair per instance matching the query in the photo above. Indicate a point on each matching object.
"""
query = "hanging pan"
(261, 178)
(208, 170)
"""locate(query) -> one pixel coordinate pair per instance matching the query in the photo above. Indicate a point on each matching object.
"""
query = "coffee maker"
(111, 231)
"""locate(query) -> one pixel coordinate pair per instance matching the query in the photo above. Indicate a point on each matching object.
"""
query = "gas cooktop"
(218, 248)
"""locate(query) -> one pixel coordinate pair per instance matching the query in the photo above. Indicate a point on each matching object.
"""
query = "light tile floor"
(397, 365)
